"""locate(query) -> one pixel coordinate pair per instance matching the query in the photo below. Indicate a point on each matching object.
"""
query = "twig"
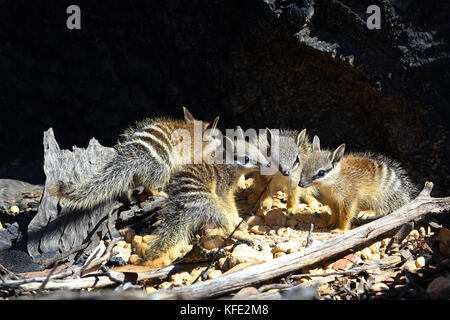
(336, 273)
(48, 277)
(5, 270)
(19, 282)
(93, 261)
(343, 286)
(107, 272)
(49, 262)
(275, 286)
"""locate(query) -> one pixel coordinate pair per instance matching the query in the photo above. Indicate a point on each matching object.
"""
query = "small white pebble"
(420, 262)
(415, 234)
(14, 209)
(150, 290)
(410, 265)
(380, 286)
(366, 254)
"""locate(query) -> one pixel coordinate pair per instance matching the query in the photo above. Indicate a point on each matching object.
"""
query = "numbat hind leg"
(346, 216)
(166, 258)
(154, 254)
(334, 218)
(229, 227)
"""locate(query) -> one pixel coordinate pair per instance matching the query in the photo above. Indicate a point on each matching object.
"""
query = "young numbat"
(147, 155)
(289, 150)
(202, 196)
(351, 183)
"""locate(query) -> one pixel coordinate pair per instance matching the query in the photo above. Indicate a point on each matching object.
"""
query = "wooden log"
(339, 245)
(55, 229)
(57, 281)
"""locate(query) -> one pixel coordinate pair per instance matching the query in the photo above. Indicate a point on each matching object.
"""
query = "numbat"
(356, 182)
(293, 148)
(199, 196)
(147, 155)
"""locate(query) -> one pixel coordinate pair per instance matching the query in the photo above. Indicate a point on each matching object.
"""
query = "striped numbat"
(356, 182)
(293, 148)
(200, 196)
(147, 154)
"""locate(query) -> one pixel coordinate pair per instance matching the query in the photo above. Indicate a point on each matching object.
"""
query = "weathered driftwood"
(362, 235)
(93, 280)
(54, 228)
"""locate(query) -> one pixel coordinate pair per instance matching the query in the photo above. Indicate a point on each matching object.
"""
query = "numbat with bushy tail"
(202, 195)
(292, 149)
(348, 184)
(147, 155)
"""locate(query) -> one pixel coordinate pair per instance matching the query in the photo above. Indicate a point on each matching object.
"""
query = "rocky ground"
(276, 234)
(413, 266)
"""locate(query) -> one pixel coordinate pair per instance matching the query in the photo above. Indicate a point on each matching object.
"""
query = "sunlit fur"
(291, 144)
(199, 196)
(357, 182)
(146, 156)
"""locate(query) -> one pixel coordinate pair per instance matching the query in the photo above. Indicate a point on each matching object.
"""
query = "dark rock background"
(302, 64)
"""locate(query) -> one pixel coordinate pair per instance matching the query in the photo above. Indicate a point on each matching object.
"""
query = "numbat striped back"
(356, 182)
(201, 195)
(147, 155)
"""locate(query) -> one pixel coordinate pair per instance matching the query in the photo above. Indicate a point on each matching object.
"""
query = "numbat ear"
(188, 117)
(212, 134)
(316, 144)
(213, 125)
(338, 153)
(300, 137)
(239, 133)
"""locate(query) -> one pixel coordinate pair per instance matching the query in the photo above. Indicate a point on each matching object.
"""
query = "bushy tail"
(108, 184)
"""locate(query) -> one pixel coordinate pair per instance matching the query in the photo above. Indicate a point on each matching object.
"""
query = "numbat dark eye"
(246, 159)
(320, 173)
(297, 160)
